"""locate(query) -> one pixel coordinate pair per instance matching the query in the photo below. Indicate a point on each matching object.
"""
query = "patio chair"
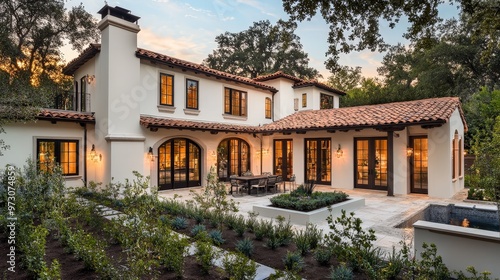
(280, 183)
(292, 182)
(248, 173)
(262, 185)
(271, 183)
(236, 187)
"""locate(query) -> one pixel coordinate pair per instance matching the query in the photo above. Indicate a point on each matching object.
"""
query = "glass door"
(283, 158)
(179, 164)
(418, 164)
(371, 163)
(318, 157)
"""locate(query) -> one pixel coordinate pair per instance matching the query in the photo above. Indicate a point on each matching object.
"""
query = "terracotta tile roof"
(64, 115)
(427, 112)
(165, 59)
(160, 122)
(299, 83)
(85, 56)
(276, 75)
(319, 85)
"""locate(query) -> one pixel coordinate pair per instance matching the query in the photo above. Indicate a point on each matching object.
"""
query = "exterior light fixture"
(409, 151)
(93, 155)
(89, 78)
(339, 152)
(150, 154)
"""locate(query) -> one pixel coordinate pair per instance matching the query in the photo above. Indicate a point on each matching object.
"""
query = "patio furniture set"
(259, 184)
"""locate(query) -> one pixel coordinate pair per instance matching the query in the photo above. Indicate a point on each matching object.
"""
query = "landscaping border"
(315, 216)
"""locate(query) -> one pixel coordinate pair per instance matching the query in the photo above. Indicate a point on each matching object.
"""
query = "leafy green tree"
(370, 91)
(262, 49)
(31, 38)
(481, 111)
(345, 79)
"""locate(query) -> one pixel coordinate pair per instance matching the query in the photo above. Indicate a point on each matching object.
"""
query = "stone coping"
(458, 230)
(315, 216)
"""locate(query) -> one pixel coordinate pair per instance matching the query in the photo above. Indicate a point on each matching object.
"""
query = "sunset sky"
(187, 29)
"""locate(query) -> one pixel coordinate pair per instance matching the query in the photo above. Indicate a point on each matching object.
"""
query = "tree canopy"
(262, 49)
(33, 33)
(356, 25)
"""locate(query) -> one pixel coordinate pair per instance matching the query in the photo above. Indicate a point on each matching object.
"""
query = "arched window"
(268, 108)
(457, 155)
(233, 157)
(179, 164)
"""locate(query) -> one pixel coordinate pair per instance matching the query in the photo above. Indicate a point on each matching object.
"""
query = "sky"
(187, 29)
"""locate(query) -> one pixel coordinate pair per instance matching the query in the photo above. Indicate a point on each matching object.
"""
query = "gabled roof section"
(85, 56)
(317, 84)
(198, 68)
(426, 112)
(153, 122)
(299, 83)
(67, 116)
(279, 74)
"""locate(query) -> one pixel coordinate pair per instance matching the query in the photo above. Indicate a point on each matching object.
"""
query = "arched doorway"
(233, 157)
(179, 164)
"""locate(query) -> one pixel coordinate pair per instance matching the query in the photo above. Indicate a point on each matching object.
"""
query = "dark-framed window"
(304, 100)
(268, 108)
(166, 89)
(326, 101)
(457, 156)
(51, 152)
(191, 94)
(233, 157)
(318, 160)
(235, 102)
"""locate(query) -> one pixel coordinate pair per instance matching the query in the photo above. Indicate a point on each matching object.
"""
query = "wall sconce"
(93, 155)
(409, 151)
(339, 152)
(150, 154)
(89, 78)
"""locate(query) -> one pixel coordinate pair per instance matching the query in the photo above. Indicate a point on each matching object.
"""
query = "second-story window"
(191, 94)
(83, 95)
(235, 102)
(304, 100)
(166, 89)
(326, 101)
(268, 108)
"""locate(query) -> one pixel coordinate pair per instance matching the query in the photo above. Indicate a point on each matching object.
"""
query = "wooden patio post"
(390, 163)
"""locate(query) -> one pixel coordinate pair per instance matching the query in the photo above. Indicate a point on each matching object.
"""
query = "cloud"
(259, 6)
(187, 48)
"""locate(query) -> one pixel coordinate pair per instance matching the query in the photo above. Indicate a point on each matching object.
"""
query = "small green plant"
(302, 242)
(238, 267)
(323, 255)
(240, 226)
(283, 231)
(252, 221)
(245, 246)
(262, 229)
(293, 261)
(341, 272)
(230, 220)
(475, 194)
(314, 235)
(179, 223)
(216, 236)
(205, 252)
(197, 229)
(475, 274)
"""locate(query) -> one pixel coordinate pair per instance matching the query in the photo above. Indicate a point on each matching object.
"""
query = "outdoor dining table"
(249, 179)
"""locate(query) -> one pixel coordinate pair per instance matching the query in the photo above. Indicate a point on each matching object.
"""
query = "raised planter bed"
(315, 216)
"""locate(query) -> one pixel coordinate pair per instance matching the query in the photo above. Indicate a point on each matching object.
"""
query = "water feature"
(473, 217)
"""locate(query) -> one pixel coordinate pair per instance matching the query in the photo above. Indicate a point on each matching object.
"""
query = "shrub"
(179, 223)
(283, 231)
(262, 229)
(240, 225)
(205, 253)
(341, 272)
(323, 256)
(238, 267)
(245, 246)
(293, 261)
(171, 249)
(216, 236)
(252, 222)
(298, 201)
(197, 229)
(302, 242)
(475, 194)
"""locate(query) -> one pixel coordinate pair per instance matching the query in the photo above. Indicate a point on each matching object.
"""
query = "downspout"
(261, 155)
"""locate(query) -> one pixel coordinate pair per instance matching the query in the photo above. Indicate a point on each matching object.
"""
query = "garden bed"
(314, 216)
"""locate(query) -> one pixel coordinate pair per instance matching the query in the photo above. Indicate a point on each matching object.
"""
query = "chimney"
(118, 12)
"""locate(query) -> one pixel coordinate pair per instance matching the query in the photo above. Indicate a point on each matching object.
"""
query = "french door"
(370, 163)
(233, 158)
(318, 155)
(283, 158)
(179, 164)
(418, 164)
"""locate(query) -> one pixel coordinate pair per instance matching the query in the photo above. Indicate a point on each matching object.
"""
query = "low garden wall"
(461, 247)
(315, 216)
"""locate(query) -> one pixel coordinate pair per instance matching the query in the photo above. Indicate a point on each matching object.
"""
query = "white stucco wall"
(22, 139)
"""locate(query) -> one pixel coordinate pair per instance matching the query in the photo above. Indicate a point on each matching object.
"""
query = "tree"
(345, 79)
(34, 31)
(262, 49)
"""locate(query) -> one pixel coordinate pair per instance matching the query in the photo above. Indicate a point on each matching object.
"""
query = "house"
(137, 110)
